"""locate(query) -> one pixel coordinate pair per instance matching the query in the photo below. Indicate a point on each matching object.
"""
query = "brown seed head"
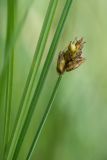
(71, 58)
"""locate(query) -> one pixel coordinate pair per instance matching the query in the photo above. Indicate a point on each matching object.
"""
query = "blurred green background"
(76, 128)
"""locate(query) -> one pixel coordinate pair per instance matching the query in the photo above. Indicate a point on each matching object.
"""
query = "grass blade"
(43, 120)
(39, 51)
(14, 37)
(8, 75)
(11, 43)
(42, 77)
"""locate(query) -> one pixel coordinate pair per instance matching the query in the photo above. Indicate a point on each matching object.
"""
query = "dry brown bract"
(71, 58)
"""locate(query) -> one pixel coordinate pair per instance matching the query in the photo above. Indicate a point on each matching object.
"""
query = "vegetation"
(32, 33)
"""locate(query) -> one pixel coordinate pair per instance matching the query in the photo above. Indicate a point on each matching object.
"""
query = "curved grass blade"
(42, 77)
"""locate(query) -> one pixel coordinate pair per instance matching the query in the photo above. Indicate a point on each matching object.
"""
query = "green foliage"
(8, 75)
(12, 146)
(36, 60)
(75, 128)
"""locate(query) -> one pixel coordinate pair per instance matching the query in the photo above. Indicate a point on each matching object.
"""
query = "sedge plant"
(12, 145)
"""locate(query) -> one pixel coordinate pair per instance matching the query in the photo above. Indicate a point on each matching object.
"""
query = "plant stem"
(42, 78)
(39, 51)
(14, 37)
(8, 75)
(43, 120)
(35, 64)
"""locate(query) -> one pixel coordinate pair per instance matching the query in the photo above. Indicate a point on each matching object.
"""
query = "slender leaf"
(42, 77)
(8, 75)
(44, 117)
(39, 51)
(14, 37)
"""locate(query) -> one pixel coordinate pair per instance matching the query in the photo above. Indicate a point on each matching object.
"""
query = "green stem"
(42, 78)
(11, 43)
(8, 75)
(10, 86)
(43, 120)
(14, 37)
(39, 51)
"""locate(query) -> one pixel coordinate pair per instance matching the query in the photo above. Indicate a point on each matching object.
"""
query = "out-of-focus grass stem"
(8, 75)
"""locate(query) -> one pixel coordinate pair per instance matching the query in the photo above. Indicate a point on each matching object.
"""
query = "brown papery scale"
(71, 58)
